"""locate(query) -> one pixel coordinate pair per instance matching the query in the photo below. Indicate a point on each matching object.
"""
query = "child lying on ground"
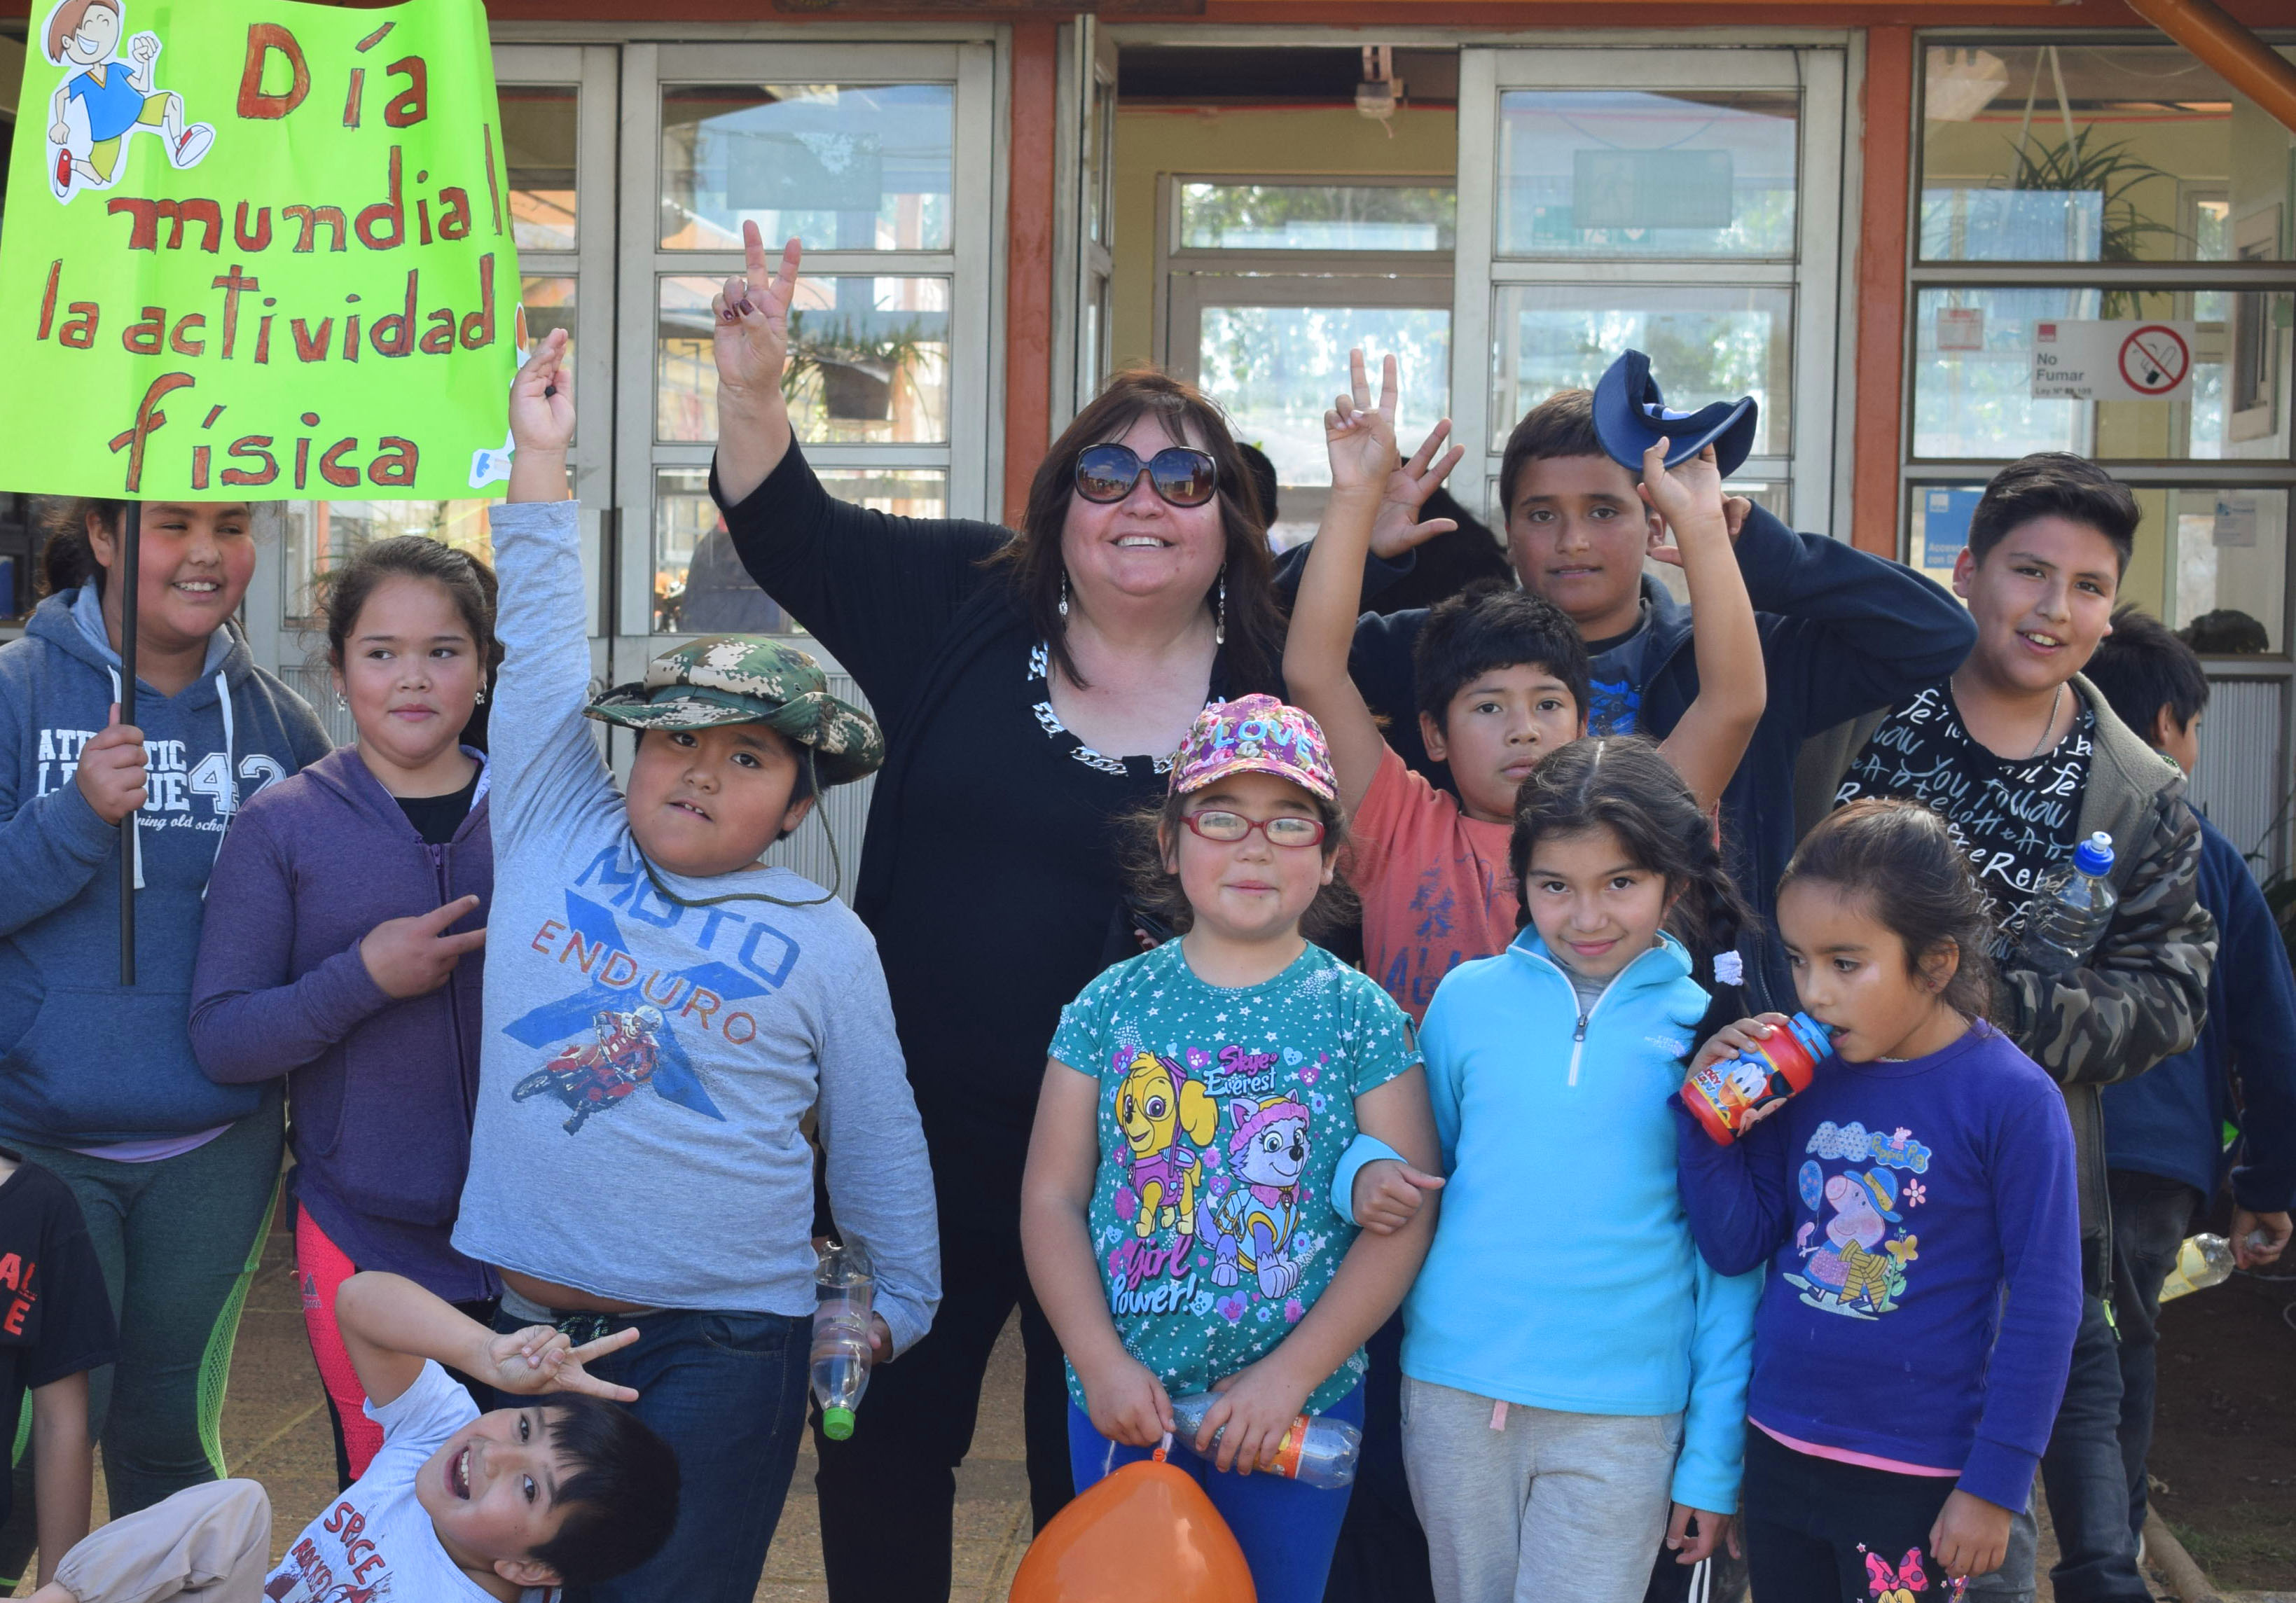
(569, 1490)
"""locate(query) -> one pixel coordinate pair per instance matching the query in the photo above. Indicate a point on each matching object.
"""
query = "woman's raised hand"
(750, 329)
(1360, 436)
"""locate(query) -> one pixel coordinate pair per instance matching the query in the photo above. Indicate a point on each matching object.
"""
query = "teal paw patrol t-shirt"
(1223, 1115)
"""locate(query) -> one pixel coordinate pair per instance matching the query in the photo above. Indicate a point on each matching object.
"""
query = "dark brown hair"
(1561, 425)
(1900, 856)
(66, 23)
(342, 593)
(1155, 889)
(2059, 483)
(1032, 557)
(67, 554)
(1623, 785)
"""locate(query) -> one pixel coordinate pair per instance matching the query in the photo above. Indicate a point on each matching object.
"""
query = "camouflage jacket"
(2143, 994)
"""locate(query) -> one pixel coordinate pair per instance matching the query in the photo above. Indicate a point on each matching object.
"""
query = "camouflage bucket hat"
(747, 679)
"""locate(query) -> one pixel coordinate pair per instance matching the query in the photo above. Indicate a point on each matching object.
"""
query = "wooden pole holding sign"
(130, 564)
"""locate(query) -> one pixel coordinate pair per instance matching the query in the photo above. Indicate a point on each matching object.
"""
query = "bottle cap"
(837, 1423)
(1813, 1035)
(2093, 857)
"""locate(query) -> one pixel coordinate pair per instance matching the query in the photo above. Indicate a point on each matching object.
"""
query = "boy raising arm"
(1513, 677)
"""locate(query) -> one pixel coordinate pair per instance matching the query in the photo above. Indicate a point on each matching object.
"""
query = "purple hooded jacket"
(380, 1092)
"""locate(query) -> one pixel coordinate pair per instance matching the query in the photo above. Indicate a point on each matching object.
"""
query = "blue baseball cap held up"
(1631, 416)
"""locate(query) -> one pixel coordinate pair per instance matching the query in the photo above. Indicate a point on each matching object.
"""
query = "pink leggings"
(320, 1267)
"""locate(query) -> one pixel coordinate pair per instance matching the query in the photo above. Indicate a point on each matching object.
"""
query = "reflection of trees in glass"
(1697, 357)
(1211, 213)
(1274, 369)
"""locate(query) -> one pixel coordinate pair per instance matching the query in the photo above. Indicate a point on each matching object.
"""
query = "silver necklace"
(2056, 702)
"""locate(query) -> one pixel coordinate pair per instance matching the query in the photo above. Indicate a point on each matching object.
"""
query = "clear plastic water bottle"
(1314, 1451)
(2205, 1261)
(843, 1291)
(2069, 911)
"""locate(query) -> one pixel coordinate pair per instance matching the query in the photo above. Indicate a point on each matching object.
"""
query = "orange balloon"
(1145, 1534)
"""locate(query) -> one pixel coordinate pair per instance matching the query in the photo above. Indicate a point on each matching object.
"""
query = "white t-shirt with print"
(375, 1543)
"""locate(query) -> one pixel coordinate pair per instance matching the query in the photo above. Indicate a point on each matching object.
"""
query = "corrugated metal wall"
(2243, 782)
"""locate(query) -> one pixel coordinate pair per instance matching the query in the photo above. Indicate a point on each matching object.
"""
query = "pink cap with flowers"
(1257, 734)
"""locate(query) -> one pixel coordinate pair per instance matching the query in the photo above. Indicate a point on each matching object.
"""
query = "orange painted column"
(1882, 303)
(1029, 258)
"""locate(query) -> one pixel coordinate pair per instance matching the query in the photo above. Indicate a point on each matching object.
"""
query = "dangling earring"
(481, 699)
(341, 706)
(1219, 617)
(1064, 592)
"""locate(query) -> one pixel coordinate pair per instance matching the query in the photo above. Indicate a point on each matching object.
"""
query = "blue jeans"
(2149, 1216)
(2086, 1483)
(727, 1392)
(1287, 1531)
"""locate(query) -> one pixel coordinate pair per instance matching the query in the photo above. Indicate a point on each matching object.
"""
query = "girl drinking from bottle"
(1901, 1401)
(1574, 1378)
(357, 894)
(1183, 1212)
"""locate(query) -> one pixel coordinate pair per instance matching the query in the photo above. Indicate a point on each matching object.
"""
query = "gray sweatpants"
(1538, 1504)
(211, 1544)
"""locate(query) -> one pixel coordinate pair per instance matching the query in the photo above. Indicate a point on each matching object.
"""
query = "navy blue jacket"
(1843, 633)
(2170, 1121)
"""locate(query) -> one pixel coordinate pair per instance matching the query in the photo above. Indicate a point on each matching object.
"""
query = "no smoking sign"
(2155, 359)
(2122, 360)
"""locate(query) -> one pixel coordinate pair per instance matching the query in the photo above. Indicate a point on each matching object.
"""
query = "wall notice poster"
(257, 249)
(2112, 360)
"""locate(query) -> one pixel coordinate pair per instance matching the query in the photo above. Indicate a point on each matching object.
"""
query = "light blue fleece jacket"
(1563, 1275)
(85, 1061)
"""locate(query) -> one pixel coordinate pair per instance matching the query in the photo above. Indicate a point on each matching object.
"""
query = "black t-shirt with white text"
(2017, 818)
(55, 1316)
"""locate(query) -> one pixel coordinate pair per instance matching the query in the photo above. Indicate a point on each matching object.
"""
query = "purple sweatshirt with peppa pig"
(1896, 1203)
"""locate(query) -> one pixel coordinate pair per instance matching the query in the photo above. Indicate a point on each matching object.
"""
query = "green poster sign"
(257, 249)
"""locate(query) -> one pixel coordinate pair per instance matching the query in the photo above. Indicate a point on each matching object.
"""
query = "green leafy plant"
(2110, 172)
(854, 366)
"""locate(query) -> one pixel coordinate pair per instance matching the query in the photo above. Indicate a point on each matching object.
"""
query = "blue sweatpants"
(1287, 1531)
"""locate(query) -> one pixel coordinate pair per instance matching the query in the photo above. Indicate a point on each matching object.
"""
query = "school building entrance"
(1888, 225)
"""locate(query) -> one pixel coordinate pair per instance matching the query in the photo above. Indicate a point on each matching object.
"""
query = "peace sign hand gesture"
(542, 1358)
(1361, 436)
(749, 331)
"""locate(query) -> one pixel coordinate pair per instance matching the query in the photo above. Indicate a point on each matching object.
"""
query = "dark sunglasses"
(1181, 474)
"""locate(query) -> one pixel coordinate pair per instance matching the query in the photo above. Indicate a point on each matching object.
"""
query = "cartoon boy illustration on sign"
(107, 97)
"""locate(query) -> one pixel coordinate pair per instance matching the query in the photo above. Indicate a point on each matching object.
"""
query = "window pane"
(1618, 172)
(868, 361)
(539, 128)
(322, 534)
(1274, 369)
(1317, 217)
(1704, 344)
(1975, 372)
(2080, 153)
(840, 167)
(700, 585)
(2229, 555)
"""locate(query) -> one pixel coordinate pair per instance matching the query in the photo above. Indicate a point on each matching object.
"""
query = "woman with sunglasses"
(1033, 685)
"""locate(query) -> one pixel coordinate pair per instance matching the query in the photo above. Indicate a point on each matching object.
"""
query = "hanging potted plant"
(854, 367)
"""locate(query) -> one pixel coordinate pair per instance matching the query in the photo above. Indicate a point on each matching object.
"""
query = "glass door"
(1269, 281)
(877, 158)
(1085, 216)
(1685, 203)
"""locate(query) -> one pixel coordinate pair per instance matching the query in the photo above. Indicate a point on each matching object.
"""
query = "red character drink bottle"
(1726, 1092)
